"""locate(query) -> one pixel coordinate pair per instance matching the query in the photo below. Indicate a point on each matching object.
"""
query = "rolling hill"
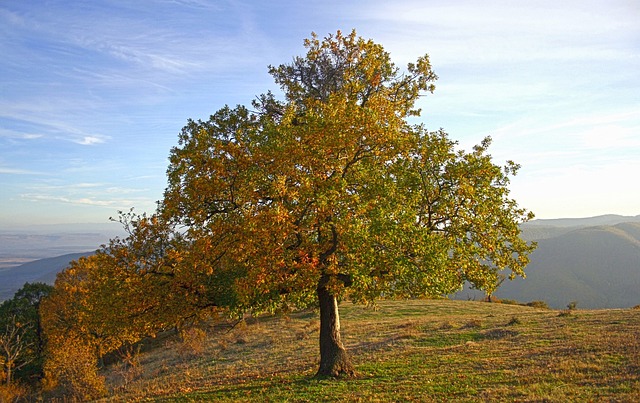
(599, 267)
(43, 270)
(595, 266)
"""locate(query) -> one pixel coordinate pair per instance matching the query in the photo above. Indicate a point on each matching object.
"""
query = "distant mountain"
(596, 266)
(27, 243)
(608, 219)
(543, 229)
(43, 270)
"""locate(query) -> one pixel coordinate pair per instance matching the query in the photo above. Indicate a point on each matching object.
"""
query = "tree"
(14, 348)
(21, 340)
(124, 292)
(331, 193)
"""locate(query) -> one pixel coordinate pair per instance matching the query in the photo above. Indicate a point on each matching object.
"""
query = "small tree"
(127, 290)
(22, 336)
(71, 368)
(14, 348)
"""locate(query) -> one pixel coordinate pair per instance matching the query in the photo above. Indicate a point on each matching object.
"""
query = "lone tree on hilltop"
(331, 193)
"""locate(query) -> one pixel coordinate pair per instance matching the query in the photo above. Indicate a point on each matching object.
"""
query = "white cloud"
(52, 118)
(90, 140)
(86, 201)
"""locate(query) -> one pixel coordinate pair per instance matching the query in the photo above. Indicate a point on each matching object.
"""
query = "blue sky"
(94, 93)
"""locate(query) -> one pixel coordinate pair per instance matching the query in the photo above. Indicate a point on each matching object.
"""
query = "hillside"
(607, 220)
(595, 266)
(549, 228)
(414, 350)
(38, 253)
(43, 270)
(28, 243)
(599, 267)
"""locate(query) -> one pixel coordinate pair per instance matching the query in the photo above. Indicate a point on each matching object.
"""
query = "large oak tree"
(330, 192)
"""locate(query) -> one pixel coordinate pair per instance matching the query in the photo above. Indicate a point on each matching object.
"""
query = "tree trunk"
(334, 360)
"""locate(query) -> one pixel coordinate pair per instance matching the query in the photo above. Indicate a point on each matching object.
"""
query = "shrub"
(447, 325)
(71, 370)
(193, 340)
(129, 367)
(538, 304)
(12, 392)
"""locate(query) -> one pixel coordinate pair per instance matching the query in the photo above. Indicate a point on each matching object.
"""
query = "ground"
(436, 350)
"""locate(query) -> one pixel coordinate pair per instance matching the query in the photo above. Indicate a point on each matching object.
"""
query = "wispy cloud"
(46, 119)
(616, 129)
(18, 135)
(80, 201)
(90, 140)
(95, 92)
(17, 171)
(88, 194)
(487, 31)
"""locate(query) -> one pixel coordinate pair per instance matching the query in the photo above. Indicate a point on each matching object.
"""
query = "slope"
(413, 350)
(599, 267)
(43, 270)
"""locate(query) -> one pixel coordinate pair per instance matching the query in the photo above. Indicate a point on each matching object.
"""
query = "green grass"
(415, 350)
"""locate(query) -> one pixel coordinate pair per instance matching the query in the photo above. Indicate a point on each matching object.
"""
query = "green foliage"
(22, 338)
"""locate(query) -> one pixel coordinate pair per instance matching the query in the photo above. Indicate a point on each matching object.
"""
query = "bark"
(334, 360)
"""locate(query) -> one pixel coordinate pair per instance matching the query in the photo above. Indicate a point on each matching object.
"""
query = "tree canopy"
(333, 190)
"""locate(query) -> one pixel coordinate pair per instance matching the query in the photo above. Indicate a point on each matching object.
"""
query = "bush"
(12, 393)
(194, 341)
(129, 367)
(473, 324)
(71, 370)
(538, 304)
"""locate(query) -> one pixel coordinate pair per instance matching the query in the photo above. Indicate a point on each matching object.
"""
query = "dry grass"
(404, 351)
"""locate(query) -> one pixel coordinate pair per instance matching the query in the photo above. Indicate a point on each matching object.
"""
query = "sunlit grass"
(406, 351)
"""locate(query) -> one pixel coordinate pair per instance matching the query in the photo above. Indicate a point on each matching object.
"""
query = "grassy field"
(439, 350)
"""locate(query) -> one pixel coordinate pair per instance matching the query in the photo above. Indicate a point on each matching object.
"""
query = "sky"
(93, 94)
